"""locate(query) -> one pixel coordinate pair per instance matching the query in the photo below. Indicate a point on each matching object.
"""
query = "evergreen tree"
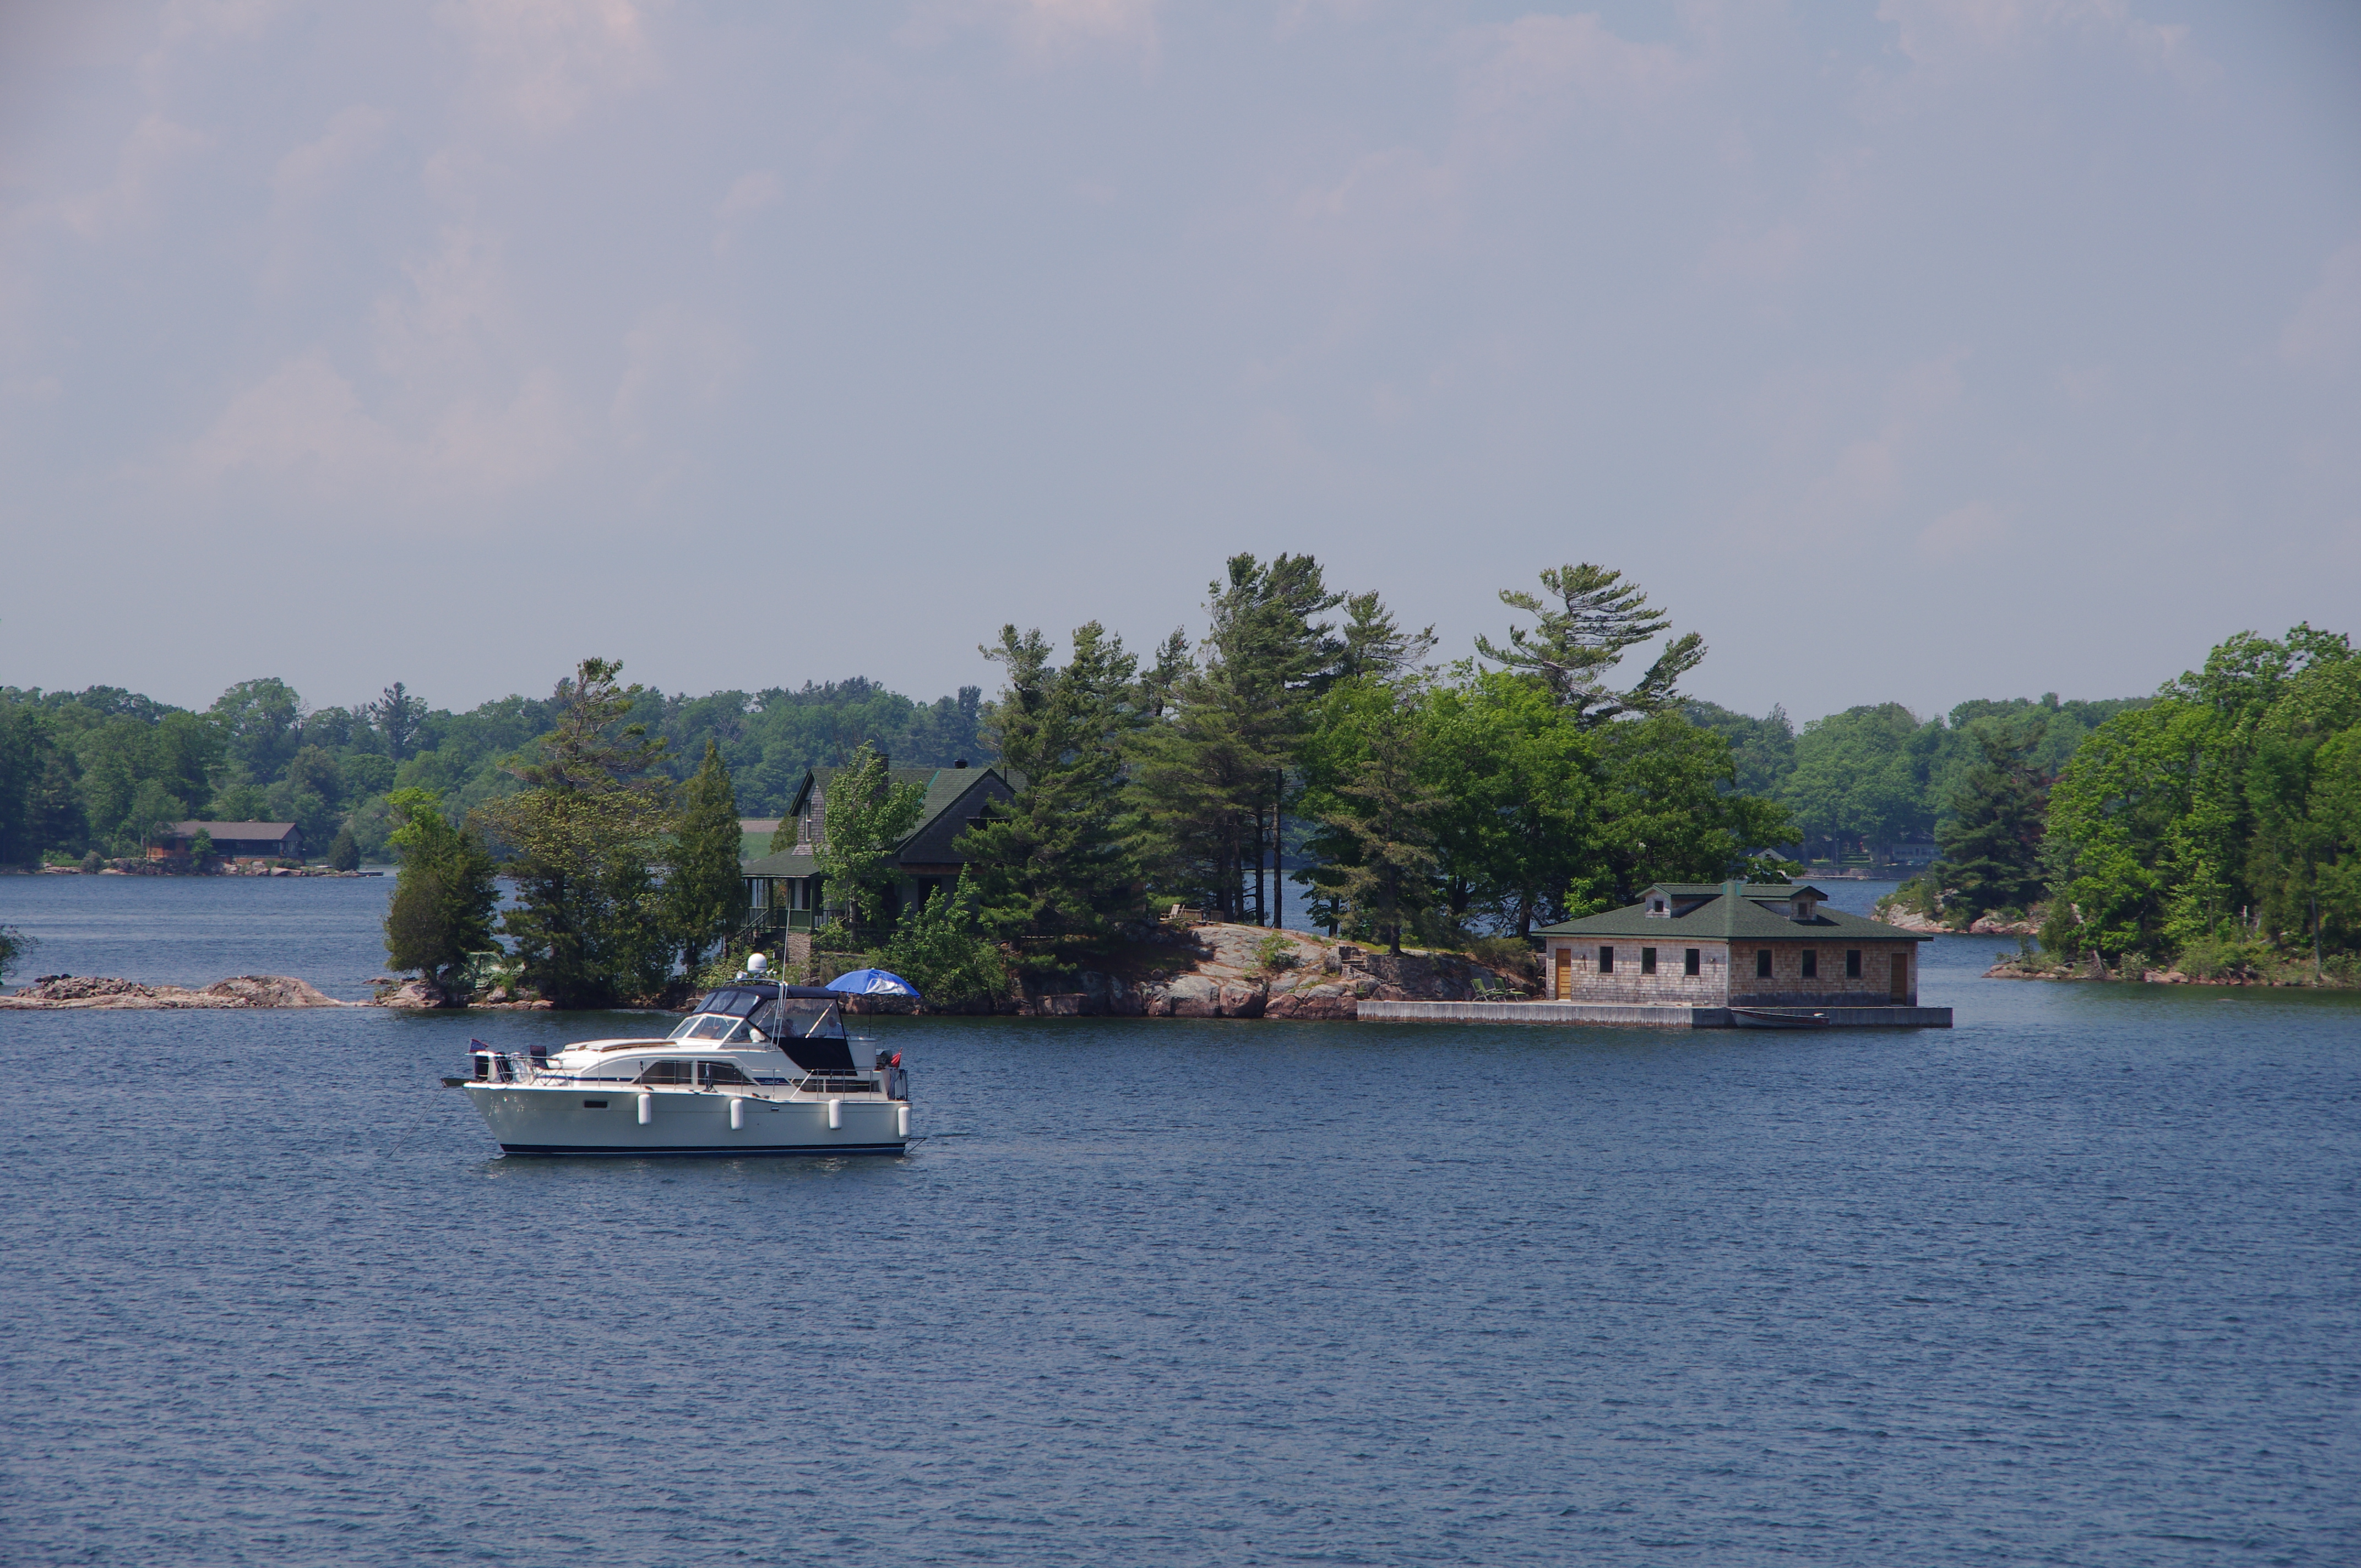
(1055, 860)
(705, 895)
(1213, 779)
(589, 921)
(865, 817)
(1581, 638)
(443, 896)
(1991, 837)
(1380, 837)
(344, 853)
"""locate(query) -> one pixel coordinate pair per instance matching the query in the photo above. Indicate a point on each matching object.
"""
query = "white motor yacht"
(757, 1069)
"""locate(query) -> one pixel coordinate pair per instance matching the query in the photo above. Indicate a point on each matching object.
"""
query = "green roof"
(943, 787)
(1731, 912)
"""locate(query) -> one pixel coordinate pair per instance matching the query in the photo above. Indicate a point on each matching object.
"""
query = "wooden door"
(1898, 985)
(1564, 987)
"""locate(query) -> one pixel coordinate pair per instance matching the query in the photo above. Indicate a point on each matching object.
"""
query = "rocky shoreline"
(1983, 925)
(1305, 977)
(1220, 971)
(65, 991)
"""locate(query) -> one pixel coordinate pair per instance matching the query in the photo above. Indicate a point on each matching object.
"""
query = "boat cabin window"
(665, 1072)
(712, 1072)
(811, 1019)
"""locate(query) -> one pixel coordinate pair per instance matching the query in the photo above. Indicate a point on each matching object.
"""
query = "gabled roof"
(233, 829)
(943, 788)
(1730, 911)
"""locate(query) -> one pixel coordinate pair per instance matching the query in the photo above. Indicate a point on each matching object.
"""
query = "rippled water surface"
(2073, 1283)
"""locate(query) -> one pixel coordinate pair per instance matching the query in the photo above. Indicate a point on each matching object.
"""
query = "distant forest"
(1861, 782)
(96, 769)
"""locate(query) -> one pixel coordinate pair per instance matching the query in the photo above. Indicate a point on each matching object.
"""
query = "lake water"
(2073, 1283)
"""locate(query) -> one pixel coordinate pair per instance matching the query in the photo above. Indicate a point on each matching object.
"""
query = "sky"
(1915, 350)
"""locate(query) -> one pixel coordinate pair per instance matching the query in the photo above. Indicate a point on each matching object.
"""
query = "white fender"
(835, 1115)
(901, 1121)
(647, 1108)
(737, 1113)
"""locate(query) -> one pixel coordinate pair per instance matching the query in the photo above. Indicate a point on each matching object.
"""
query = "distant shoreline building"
(1733, 944)
(786, 892)
(235, 840)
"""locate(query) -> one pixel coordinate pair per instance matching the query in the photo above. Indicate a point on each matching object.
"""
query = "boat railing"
(532, 1070)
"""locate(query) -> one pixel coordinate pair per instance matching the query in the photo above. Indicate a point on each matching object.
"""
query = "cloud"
(2326, 327)
(1535, 69)
(746, 195)
(305, 426)
(674, 358)
(303, 419)
(313, 170)
(546, 61)
(452, 414)
(1868, 479)
(1046, 31)
(1934, 32)
(1972, 530)
(455, 314)
(155, 147)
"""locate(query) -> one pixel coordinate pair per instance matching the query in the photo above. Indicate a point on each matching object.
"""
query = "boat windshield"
(708, 1027)
(804, 1019)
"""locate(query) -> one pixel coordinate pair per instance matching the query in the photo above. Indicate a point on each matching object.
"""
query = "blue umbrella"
(873, 983)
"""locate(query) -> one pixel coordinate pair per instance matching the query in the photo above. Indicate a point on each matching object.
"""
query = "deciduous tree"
(443, 896)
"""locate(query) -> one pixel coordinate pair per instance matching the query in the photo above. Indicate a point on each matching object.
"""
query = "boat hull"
(1756, 1018)
(569, 1120)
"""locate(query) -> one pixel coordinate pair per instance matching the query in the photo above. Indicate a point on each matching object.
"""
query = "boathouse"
(783, 889)
(1731, 945)
(237, 841)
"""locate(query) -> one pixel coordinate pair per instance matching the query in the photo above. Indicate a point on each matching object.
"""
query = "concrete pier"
(1644, 1014)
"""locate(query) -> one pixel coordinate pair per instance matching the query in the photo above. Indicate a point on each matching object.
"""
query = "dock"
(1650, 1015)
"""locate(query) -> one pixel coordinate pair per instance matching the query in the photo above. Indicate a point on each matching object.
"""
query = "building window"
(1811, 963)
(1606, 960)
(1689, 963)
(1853, 963)
(1647, 960)
(1762, 963)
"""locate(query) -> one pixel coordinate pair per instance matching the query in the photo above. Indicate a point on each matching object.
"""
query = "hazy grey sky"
(1916, 350)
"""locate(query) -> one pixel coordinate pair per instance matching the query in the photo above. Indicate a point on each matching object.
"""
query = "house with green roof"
(784, 891)
(1731, 944)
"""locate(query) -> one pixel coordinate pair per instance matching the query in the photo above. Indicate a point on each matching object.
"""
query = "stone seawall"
(1626, 1015)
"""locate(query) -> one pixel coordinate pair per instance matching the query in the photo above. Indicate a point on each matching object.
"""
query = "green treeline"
(2218, 828)
(1861, 782)
(97, 770)
(1303, 734)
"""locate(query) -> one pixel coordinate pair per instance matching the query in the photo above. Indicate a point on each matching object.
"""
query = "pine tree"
(705, 895)
(1214, 778)
(588, 921)
(1597, 618)
(1991, 842)
(1381, 838)
(1055, 860)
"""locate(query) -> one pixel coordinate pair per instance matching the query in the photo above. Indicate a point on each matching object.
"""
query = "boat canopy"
(802, 1020)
